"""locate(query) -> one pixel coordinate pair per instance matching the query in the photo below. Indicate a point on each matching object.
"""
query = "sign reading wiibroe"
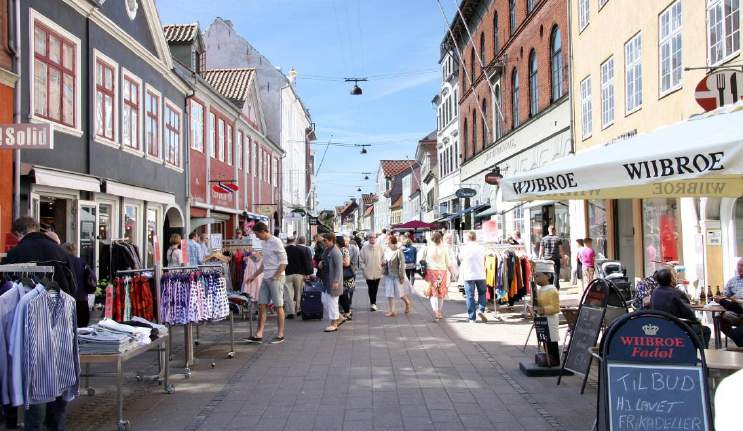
(26, 136)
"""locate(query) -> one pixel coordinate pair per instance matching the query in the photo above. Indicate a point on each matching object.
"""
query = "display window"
(598, 228)
(661, 223)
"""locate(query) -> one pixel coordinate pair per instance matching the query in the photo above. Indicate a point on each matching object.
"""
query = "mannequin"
(548, 305)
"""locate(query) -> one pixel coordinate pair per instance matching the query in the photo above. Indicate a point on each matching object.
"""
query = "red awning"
(414, 225)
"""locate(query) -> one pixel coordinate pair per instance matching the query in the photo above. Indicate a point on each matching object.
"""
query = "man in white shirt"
(272, 286)
(472, 271)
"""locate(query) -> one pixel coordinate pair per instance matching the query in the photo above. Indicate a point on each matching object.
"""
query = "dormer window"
(198, 59)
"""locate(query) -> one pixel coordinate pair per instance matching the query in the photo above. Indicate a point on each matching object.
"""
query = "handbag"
(422, 267)
(348, 272)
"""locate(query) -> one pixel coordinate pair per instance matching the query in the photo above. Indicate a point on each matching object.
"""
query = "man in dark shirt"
(297, 270)
(674, 301)
(550, 248)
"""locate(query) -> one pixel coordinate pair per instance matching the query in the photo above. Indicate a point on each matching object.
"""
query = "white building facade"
(447, 137)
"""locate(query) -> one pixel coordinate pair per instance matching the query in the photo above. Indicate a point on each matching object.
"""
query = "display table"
(716, 311)
(118, 359)
(724, 360)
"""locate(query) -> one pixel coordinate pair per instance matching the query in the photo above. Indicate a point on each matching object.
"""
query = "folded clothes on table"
(94, 339)
(141, 335)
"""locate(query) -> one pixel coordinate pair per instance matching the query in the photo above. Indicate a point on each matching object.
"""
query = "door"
(87, 232)
(626, 237)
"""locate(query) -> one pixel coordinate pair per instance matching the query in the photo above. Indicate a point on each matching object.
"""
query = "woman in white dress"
(396, 286)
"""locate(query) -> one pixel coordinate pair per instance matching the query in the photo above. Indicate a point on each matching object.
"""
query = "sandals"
(331, 329)
(408, 307)
(390, 314)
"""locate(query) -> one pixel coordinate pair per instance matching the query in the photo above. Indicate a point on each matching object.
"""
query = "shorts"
(272, 291)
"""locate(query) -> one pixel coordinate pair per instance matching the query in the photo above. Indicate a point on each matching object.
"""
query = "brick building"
(513, 107)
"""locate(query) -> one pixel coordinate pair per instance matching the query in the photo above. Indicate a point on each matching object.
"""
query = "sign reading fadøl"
(26, 136)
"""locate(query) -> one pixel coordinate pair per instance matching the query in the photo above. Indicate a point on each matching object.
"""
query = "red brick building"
(513, 107)
(7, 86)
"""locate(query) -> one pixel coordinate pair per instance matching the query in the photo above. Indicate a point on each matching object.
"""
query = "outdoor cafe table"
(716, 311)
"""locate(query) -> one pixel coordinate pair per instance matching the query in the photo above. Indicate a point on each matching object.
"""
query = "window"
(55, 71)
(466, 140)
(512, 16)
(456, 154)
(130, 115)
(474, 131)
(602, 3)
(669, 25)
(210, 137)
(220, 139)
(239, 150)
(131, 224)
(229, 144)
(497, 112)
(530, 5)
(456, 103)
(172, 134)
(496, 41)
(482, 51)
(661, 231)
(585, 104)
(472, 67)
(485, 137)
(583, 13)
(607, 93)
(533, 84)
(105, 93)
(152, 122)
(255, 159)
(196, 124)
(723, 23)
(556, 64)
(633, 64)
(515, 98)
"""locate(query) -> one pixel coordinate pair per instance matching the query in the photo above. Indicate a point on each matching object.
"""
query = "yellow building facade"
(635, 65)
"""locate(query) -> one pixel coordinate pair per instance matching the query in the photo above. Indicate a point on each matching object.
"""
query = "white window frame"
(239, 149)
(77, 130)
(712, 7)
(602, 3)
(229, 141)
(191, 125)
(633, 72)
(160, 114)
(220, 137)
(169, 104)
(211, 130)
(586, 110)
(607, 92)
(666, 65)
(255, 158)
(127, 75)
(99, 56)
(583, 14)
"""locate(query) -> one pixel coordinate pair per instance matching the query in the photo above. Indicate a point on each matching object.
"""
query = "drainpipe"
(16, 46)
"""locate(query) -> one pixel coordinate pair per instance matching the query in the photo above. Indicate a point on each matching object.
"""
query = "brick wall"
(533, 31)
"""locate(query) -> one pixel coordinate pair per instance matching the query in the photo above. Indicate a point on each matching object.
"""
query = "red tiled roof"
(393, 168)
(179, 33)
(369, 199)
(231, 83)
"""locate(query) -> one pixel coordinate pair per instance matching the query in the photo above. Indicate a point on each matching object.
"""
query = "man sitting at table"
(674, 301)
(731, 323)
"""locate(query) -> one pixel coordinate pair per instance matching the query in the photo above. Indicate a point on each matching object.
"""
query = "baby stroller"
(616, 272)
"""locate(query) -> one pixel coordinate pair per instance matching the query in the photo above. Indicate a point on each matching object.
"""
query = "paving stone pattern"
(405, 373)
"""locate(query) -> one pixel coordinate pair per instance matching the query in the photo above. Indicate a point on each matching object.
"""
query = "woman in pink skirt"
(437, 274)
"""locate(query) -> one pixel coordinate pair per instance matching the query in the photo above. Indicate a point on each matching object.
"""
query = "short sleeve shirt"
(551, 244)
(588, 257)
(274, 255)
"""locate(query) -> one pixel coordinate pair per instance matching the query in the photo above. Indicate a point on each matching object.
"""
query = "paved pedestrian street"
(376, 373)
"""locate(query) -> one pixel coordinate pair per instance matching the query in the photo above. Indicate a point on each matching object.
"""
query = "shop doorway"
(554, 214)
(87, 232)
(55, 214)
(625, 230)
(173, 223)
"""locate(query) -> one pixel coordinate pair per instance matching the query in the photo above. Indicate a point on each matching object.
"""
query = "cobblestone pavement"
(377, 373)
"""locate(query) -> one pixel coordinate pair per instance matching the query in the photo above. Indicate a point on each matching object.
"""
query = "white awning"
(140, 193)
(696, 158)
(67, 180)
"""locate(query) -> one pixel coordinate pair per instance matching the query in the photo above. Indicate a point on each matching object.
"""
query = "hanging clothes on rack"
(252, 279)
(124, 256)
(191, 295)
(133, 296)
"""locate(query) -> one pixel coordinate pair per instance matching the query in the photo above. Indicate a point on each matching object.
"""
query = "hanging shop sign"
(215, 241)
(651, 377)
(719, 89)
(26, 136)
(314, 221)
(266, 209)
(465, 192)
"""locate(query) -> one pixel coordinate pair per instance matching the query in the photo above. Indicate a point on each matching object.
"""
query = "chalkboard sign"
(584, 337)
(656, 398)
(542, 328)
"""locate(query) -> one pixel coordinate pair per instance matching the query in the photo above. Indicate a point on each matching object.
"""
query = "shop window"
(172, 134)
(152, 122)
(105, 94)
(661, 232)
(55, 71)
(131, 224)
(598, 228)
(197, 126)
(131, 87)
(739, 227)
(151, 234)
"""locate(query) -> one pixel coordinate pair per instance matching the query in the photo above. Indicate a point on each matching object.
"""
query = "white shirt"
(727, 395)
(274, 255)
(472, 257)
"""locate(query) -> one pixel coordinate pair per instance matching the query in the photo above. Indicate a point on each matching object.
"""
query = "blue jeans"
(469, 291)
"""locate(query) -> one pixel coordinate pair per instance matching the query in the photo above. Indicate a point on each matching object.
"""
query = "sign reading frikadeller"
(26, 136)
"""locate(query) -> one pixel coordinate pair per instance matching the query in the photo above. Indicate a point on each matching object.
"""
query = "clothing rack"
(189, 342)
(134, 271)
(500, 247)
(26, 268)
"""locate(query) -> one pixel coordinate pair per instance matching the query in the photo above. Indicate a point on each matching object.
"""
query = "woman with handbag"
(349, 279)
(437, 274)
(396, 285)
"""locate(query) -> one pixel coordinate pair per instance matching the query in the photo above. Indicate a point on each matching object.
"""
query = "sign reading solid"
(26, 136)
(719, 89)
(464, 193)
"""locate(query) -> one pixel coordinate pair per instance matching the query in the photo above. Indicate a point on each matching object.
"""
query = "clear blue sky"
(395, 40)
